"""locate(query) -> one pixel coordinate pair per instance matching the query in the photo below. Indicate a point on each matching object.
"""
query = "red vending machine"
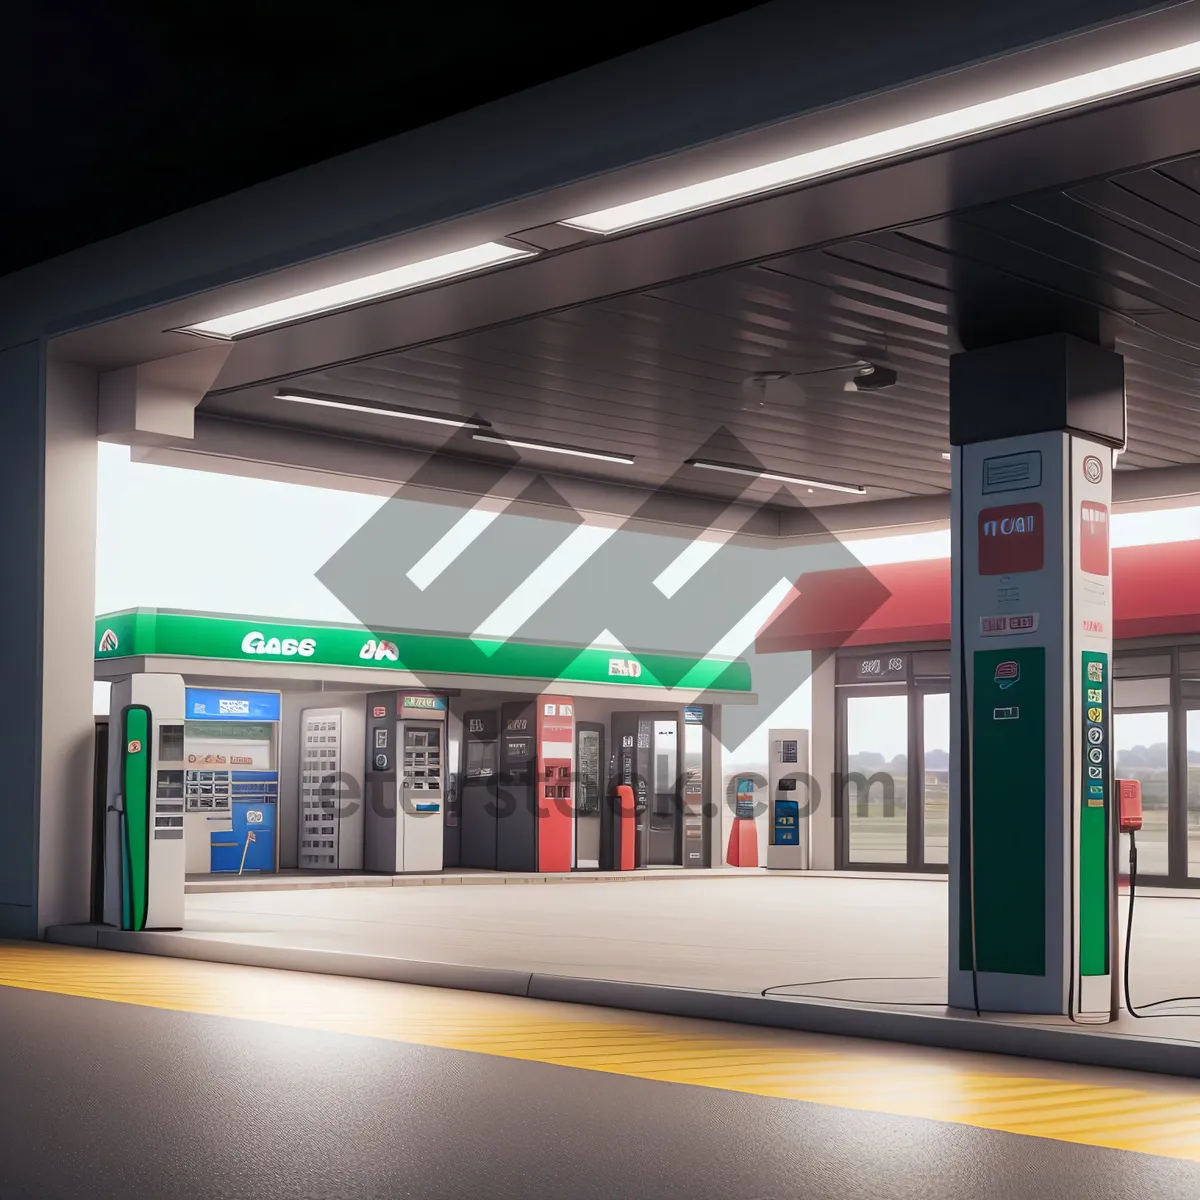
(556, 791)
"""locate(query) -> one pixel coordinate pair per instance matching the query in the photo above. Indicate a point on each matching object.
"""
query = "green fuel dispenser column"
(144, 834)
(1034, 427)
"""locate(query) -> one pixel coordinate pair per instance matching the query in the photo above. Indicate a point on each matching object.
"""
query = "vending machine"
(646, 757)
(787, 791)
(556, 806)
(516, 824)
(231, 781)
(478, 793)
(143, 832)
(406, 755)
(330, 828)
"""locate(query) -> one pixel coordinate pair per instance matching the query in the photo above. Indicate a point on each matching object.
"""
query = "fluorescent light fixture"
(550, 448)
(379, 410)
(774, 476)
(1103, 84)
(357, 291)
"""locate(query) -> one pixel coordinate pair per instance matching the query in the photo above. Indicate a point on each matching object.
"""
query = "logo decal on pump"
(1007, 673)
(1093, 469)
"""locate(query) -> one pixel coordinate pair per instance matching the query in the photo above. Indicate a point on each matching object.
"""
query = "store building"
(302, 735)
(881, 697)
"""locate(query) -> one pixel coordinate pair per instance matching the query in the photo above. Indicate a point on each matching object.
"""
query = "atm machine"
(788, 799)
(143, 828)
(646, 757)
(406, 757)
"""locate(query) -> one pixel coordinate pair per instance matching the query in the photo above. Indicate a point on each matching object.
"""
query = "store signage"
(879, 669)
(108, 642)
(693, 714)
(380, 651)
(208, 704)
(1012, 472)
(1008, 625)
(1011, 539)
(163, 633)
(257, 643)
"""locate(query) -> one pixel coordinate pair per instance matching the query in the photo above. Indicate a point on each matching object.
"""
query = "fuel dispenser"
(406, 756)
(143, 829)
(787, 848)
(742, 850)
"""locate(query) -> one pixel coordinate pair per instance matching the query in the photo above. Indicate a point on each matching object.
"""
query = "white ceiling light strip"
(360, 290)
(774, 476)
(378, 410)
(549, 448)
(1104, 84)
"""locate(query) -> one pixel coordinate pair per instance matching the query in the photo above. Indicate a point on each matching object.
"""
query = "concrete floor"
(723, 934)
(879, 940)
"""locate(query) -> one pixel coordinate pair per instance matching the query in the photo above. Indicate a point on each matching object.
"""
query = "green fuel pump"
(144, 831)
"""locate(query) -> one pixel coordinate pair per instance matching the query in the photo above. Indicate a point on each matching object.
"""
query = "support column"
(1034, 426)
(47, 626)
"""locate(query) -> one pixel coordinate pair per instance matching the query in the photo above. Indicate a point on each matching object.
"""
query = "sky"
(254, 546)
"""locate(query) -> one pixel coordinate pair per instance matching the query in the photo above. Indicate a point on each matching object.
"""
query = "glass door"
(1193, 792)
(874, 799)
(934, 770)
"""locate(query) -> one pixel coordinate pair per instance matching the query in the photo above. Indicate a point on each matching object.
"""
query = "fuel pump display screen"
(745, 800)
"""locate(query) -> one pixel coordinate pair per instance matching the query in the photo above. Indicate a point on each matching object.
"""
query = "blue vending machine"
(232, 781)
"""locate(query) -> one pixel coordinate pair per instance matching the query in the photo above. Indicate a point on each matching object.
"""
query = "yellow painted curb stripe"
(811, 1068)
